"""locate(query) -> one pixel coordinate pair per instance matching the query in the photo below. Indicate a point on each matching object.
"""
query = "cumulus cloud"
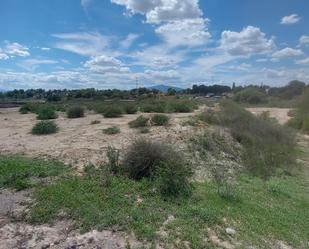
(251, 40)
(191, 32)
(15, 49)
(157, 11)
(287, 52)
(3, 56)
(304, 40)
(291, 19)
(180, 22)
(303, 61)
(105, 64)
(127, 43)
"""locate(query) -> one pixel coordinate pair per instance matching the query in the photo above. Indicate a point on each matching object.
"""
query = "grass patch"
(112, 112)
(111, 130)
(258, 216)
(18, 172)
(44, 128)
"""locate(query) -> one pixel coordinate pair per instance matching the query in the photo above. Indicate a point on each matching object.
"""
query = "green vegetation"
(94, 122)
(251, 95)
(46, 113)
(130, 109)
(267, 145)
(44, 128)
(21, 172)
(111, 130)
(300, 120)
(75, 112)
(159, 120)
(140, 121)
(112, 112)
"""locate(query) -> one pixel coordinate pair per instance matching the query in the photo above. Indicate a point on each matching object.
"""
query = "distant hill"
(164, 88)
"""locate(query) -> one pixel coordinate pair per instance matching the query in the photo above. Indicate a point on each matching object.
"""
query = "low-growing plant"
(130, 109)
(113, 159)
(112, 112)
(44, 128)
(111, 130)
(75, 112)
(159, 119)
(30, 107)
(140, 121)
(46, 113)
(209, 116)
(94, 122)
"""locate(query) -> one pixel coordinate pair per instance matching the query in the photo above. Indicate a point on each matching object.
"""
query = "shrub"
(46, 113)
(76, 112)
(112, 112)
(29, 107)
(172, 178)
(209, 116)
(160, 119)
(24, 109)
(95, 122)
(268, 146)
(44, 127)
(251, 95)
(159, 162)
(154, 107)
(181, 107)
(140, 121)
(111, 130)
(130, 109)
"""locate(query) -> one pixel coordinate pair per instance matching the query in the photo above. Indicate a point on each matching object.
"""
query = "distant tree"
(171, 91)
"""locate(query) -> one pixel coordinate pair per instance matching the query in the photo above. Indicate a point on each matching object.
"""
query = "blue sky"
(114, 43)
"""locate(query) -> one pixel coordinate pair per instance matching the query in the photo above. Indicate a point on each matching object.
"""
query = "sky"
(56, 44)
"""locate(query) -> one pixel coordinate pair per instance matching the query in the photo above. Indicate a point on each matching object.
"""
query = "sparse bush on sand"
(75, 112)
(140, 121)
(112, 112)
(159, 119)
(111, 130)
(46, 113)
(44, 128)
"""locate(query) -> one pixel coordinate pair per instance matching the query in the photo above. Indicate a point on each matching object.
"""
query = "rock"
(230, 231)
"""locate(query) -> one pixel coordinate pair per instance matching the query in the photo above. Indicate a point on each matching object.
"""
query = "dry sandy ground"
(77, 142)
(281, 114)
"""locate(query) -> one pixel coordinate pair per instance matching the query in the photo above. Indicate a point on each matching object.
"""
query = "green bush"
(153, 107)
(140, 121)
(160, 163)
(305, 125)
(30, 107)
(209, 116)
(159, 119)
(251, 95)
(130, 109)
(75, 112)
(180, 107)
(112, 112)
(46, 113)
(44, 128)
(111, 130)
(268, 146)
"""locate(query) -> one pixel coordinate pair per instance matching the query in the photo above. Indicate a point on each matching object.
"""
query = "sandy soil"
(77, 142)
(281, 114)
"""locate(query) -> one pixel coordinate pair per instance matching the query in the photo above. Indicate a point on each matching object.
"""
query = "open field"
(78, 142)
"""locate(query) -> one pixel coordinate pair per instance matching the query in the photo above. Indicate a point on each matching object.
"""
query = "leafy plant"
(160, 119)
(44, 128)
(111, 130)
(46, 113)
(140, 121)
(112, 112)
(75, 112)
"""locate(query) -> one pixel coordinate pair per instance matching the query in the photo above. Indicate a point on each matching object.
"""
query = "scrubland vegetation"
(254, 182)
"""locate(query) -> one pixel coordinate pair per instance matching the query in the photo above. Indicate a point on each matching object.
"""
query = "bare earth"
(281, 114)
(77, 142)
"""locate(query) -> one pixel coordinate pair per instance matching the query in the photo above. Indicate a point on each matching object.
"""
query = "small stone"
(230, 231)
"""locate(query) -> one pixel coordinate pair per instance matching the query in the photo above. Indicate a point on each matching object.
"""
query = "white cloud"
(291, 19)
(3, 56)
(32, 64)
(82, 43)
(287, 52)
(127, 43)
(16, 49)
(246, 42)
(158, 11)
(304, 40)
(191, 32)
(85, 3)
(105, 64)
(45, 49)
(303, 61)
(162, 75)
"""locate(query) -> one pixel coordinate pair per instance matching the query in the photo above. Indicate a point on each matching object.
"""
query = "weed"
(46, 113)
(94, 122)
(112, 112)
(75, 112)
(160, 119)
(140, 121)
(44, 128)
(111, 130)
